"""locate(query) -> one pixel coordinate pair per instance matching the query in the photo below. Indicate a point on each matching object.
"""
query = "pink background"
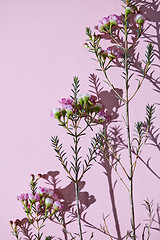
(41, 49)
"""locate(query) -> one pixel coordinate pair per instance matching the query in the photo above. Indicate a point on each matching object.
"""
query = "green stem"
(128, 133)
(76, 178)
(38, 231)
(78, 211)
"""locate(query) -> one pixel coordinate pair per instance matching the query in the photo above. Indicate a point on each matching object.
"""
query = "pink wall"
(41, 49)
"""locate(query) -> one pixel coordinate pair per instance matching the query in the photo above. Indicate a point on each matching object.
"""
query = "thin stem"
(114, 39)
(139, 150)
(111, 85)
(78, 211)
(107, 228)
(76, 180)
(108, 81)
(115, 155)
(38, 231)
(128, 130)
(65, 229)
(104, 152)
(140, 83)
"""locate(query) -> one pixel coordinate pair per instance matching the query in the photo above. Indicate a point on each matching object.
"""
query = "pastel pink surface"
(41, 49)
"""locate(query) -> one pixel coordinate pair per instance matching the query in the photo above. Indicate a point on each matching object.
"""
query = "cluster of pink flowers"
(43, 199)
(85, 106)
(108, 22)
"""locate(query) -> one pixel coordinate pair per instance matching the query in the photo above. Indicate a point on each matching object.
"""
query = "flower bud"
(57, 205)
(56, 113)
(104, 54)
(85, 45)
(128, 10)
(80, 99)
(32, 177)
(86, 98)
(139, 19)
(16, 222)
(11, 222)
(48, 202)
(97, 107)
(99, 51)
(39, 175)
(63, 112)
(93, 38)
(69, 110)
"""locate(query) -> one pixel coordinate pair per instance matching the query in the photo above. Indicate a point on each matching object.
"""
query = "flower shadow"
(67, 195)
(27, 231)
(111, 105)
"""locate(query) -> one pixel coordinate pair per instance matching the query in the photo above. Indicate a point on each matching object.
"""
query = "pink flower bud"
(54, 196)
(48, 202)
(57, 205)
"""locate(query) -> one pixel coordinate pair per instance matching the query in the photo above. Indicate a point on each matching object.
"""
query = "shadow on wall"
(151, 11)
(111, 104)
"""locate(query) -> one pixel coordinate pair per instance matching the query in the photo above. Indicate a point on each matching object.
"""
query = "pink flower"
(69, 107)
(113, 53)
(23, 197)
(38, 207)
(57, 205)
(66, 101)
(41, 191)
(54, 196)
(101, 115)
(49, 192)
(104, 23)
(108, 22)
(34, 198)
(114, 19)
